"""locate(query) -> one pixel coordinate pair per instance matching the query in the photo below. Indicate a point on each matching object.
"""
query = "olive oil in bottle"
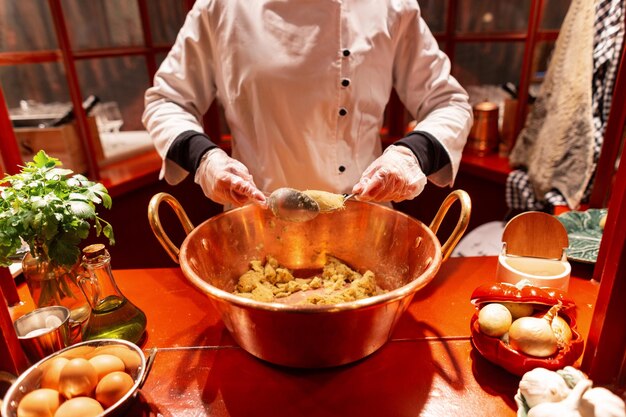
(112, 314)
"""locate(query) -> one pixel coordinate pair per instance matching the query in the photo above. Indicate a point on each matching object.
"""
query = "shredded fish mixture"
(327, 201)
(268, 281)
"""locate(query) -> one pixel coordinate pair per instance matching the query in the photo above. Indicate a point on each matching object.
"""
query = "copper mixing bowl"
(403, 253)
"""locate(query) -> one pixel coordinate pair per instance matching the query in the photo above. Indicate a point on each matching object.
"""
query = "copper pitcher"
(484, 135)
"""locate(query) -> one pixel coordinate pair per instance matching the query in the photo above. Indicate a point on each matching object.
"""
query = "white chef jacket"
(304, 85)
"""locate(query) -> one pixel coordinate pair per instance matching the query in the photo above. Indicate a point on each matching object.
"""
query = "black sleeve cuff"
(188, 148)
(429, 151)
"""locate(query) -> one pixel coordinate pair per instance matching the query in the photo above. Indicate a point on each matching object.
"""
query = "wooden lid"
(535, 234)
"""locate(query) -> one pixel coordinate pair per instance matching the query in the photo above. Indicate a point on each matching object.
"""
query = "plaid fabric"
(520, 195)
(607, 49)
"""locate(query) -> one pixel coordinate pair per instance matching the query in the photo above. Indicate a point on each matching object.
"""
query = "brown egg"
(78, 378)
(78, 352)
(113, 387)
(52, 371)
(131, 359)
(42, 402)
(106, 363)
(79, 407)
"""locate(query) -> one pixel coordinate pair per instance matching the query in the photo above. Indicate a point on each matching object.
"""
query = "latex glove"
(394, 176)
(226, 180)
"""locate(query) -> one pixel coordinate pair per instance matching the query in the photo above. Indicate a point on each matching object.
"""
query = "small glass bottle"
(112, 314)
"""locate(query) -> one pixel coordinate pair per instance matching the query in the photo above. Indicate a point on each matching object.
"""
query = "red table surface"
(428, 368)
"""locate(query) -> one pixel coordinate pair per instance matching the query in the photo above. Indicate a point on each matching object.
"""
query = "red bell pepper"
(500, 353)
(505, 292)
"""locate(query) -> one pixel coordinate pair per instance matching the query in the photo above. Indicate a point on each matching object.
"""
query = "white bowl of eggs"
(93, 378)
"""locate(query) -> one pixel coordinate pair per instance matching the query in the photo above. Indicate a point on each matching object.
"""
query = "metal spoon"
(292, 205)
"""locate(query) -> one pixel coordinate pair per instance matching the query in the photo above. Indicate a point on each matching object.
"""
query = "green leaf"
(47, 205)
(50, 228)
(107, 202)
(108, 232)
(41, 159)
(82, 231)
(56, 173)
(78, 196)
(81, 209)
(38, 203)
(73, 182)
(64, 251)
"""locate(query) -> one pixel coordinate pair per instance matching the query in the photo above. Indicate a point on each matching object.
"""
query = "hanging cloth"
(556, 145)
(608, 40)
(607, 50)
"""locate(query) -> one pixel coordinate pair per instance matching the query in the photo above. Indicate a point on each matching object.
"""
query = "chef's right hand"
(395, 176)
(226, 180)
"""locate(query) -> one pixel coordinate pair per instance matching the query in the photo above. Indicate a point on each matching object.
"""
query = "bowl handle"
(157, 228)
(461, 225)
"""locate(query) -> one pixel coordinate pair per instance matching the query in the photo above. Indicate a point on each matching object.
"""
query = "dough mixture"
(327, 201)
(337, 283)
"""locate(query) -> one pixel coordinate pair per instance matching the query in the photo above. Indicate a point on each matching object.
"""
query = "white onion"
(533, 336)
(519, 309)
(562, 331)
(494, 319)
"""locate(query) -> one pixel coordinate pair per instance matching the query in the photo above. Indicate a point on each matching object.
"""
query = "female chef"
(304, 85)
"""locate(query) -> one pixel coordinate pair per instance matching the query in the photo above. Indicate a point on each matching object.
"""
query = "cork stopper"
(93, 251)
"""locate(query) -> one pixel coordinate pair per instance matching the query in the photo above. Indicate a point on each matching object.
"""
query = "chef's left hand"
(395, 176)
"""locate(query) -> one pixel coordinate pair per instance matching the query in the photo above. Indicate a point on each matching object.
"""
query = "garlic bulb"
(571, 375)
(600, 402)
(541, 385)
(547, 394)
(567, 407)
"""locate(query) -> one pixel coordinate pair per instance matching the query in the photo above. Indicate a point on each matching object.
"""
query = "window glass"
(487, 16)
(434, 13)
(26, 25)
(553, 13)
(488, 63)
(37, 95)
(34, 83)
(166, 19)
(120, 80)
(102, 23)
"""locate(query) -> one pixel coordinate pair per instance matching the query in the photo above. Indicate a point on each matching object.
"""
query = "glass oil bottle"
(112, 314)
